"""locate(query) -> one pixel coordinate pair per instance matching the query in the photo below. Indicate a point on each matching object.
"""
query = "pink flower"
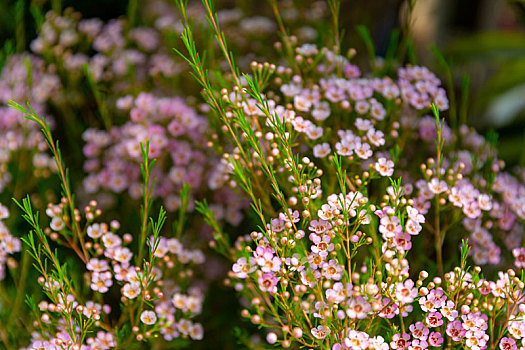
(385, 167)
(389, 226)
(277, 225)
(388, 309)
(435, 338)
(405, 292)
(400, 341)
(356, 340)
(474, 322)
(319, 226)
(402, 241)
(148, 317)
(428, 304)
(448, 310)
(320, 309)
(269, 262)
(476, 340)
(418, 345)
(268, 283)
(196, 332)
(332, 270)
(434, 319)
(437, 186)
(314, 132)
(376, 137)
(101, 281)
(517, 329)
(322, 245)
(358, 308)
(484, 202)
(338, 293)
(519, 254)
(111, 240)
(122, 254)
(310, 277)
(322, 150)
(413, 227)
(321, 111)
(320, 332)
(414, 215)
(243, 267)
(508, 344)
(455, 330)
(95, 231)
(97, 265)
(363, 151)
(419, 330)
(131, 290)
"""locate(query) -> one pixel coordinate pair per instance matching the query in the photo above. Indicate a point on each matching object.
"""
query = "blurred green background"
(482, 38)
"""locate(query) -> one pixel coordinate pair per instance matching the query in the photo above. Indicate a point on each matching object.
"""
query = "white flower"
(94, 231)
(320, 332)
(148, 317)
(131, 290)
(123, 254)
(322, 150)
(57, 224)
(111, 240)
(4, 212)
(385, 167)
(363, 151)
(437, 186)
(196, 332)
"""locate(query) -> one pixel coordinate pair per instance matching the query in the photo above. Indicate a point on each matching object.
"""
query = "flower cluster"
(24, 77)
(8, 244)
(334, 271)
(177, 140)
(383, 127)
(156, 296)
(477, 191)
(109, 51)
(307, 282)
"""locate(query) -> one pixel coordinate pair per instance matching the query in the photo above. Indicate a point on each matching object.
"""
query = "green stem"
(438, 239)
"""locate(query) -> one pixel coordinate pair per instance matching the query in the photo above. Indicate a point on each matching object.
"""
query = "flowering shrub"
(24, 77)
(8, 243)
(389, 119)
(125, 60)
(379, 219)
(110, 53)
(155, 285)
(154, 297)
(330, 267)
(177, 140)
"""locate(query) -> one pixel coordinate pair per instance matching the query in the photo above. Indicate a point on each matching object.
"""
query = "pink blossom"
(434, 319)
(455, 330)
(507, 344)
(358, 308)
(268, 283)
(405, 292)
(435, 339)
(419, 330)
(385, 167)
(400, 341)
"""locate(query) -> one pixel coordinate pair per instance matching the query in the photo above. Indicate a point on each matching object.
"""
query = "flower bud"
(271, 338)
(297, 332)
